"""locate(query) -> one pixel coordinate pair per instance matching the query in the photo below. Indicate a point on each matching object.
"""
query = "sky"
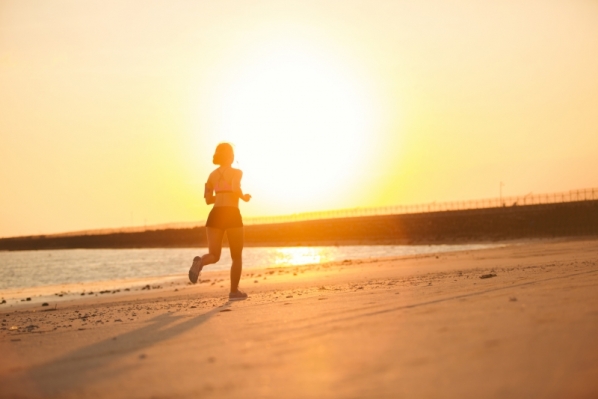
(110, 110)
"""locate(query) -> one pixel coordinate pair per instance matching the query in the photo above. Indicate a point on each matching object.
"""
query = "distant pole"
(500, 192)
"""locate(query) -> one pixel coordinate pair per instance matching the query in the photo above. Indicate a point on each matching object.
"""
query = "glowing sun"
(300, 123)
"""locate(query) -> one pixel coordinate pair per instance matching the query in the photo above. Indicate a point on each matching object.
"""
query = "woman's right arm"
(236, 183)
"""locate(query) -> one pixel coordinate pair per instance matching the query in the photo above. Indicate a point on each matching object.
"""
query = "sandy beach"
(519, 321)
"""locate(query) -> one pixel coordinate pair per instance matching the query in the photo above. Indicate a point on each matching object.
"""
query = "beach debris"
(489, 275)
(3, 301)
(289, 296)
(226, 310)
(319, 299)
(90, 293)
(45, 304)
(27, 299)
(513, 299)
(83, 294)
(13, 328)
(118, 320)
(255, 281)
(322, 288)
(146, 287)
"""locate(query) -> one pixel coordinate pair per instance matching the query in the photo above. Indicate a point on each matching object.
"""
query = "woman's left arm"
(208, 193)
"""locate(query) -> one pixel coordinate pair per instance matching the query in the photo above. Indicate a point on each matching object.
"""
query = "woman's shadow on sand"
(92, 364)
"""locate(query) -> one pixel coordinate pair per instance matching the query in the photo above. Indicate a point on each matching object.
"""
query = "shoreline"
(336, 243)
(514, 321)
(69, 289)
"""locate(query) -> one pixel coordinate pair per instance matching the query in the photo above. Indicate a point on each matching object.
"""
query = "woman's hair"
(224, 154)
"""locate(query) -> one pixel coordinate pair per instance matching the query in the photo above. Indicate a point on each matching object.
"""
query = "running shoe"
(195, 269)
(237, 296)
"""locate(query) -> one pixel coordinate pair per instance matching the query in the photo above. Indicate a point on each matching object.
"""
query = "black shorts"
(224, 217)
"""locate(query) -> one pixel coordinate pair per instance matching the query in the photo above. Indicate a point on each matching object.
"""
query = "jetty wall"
(475, 225)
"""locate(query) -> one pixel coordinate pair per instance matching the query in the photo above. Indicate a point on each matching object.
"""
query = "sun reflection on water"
(300, 256)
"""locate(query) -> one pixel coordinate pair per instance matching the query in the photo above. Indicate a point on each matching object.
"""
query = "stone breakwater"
(475, 225)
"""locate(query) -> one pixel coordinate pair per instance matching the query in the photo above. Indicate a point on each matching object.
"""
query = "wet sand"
(426, 326)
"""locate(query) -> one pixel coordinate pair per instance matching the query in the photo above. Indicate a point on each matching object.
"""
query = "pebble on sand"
(489, 275)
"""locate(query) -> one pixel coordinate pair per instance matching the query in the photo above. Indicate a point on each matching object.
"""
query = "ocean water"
(22, 269)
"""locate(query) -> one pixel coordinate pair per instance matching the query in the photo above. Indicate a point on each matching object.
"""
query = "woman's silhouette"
(223, 189)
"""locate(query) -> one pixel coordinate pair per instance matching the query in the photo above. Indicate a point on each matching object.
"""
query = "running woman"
(223, 189)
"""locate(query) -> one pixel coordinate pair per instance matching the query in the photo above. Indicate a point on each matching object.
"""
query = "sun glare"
(299, 120)
(299, 256)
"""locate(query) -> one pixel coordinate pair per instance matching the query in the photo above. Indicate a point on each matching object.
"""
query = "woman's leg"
(214, 246)
(235, 241)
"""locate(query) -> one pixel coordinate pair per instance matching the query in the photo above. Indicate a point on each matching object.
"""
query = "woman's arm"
(236, 183)
(208, 193)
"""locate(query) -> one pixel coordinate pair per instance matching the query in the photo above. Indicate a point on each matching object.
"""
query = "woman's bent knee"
(214, 257)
